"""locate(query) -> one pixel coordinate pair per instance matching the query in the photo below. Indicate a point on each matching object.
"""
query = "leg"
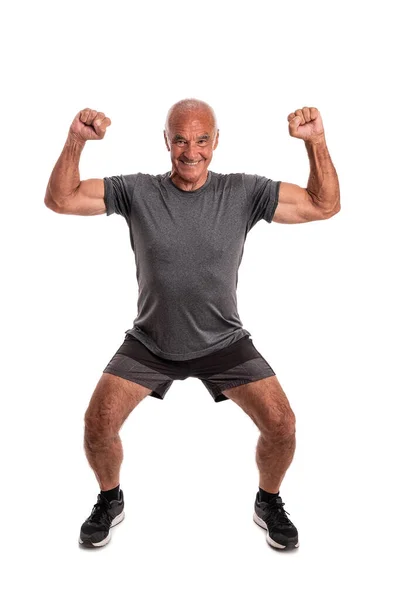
(112, 401)
(267, 405)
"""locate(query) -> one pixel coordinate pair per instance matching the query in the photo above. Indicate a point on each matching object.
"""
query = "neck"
(188, 186)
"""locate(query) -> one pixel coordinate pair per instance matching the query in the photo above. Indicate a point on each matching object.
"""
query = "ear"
(216, 140)
(166, 141)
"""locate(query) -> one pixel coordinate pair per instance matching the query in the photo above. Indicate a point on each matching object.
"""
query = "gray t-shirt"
(188, 247)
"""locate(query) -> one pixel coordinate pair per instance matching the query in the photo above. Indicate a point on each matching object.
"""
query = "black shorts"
(234, 365)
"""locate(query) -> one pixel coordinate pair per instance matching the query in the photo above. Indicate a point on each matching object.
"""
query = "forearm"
(65, 177)
(323, 183)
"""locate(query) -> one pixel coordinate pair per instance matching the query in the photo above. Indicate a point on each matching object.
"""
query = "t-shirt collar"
(170, 183)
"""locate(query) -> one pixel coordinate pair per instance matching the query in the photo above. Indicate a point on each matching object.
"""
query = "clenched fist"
(306, 124)
(89, 125)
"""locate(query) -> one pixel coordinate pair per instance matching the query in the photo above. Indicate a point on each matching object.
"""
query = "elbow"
(333, 209)
(53, 201)
(337, 206)
(49, 202)
(54, 207)
(48, 199)
(331, 212)
(327, 206)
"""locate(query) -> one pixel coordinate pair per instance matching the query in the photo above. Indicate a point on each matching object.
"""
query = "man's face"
(191, 142)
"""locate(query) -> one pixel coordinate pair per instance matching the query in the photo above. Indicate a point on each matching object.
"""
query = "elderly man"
(187, 230)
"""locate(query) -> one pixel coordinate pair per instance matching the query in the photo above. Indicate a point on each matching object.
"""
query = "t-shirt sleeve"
(262, 195)
(119, 193)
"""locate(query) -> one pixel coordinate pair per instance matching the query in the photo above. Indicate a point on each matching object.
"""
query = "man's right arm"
(66, 193)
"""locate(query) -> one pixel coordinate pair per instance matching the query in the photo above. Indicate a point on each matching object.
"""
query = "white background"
(319, 299)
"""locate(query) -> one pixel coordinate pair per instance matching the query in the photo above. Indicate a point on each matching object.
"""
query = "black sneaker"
(281, 533)
(95, 531)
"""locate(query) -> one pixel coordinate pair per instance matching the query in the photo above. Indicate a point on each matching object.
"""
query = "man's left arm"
(321, 198)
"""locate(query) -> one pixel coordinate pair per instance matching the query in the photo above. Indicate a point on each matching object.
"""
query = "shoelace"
(99, 512)
(276, 515)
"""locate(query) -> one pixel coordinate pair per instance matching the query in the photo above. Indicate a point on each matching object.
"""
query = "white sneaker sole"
(270, 541)
(115, 521)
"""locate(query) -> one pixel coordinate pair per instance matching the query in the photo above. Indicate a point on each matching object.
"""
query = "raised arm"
(321, 198)
(66, 193)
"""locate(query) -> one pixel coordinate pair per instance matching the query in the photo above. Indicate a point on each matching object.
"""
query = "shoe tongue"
(277, 501)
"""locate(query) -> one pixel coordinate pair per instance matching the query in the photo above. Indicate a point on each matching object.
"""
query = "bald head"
(187, 109)
(191, 136)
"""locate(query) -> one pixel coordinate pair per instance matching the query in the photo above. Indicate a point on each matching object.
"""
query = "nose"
(191, 152)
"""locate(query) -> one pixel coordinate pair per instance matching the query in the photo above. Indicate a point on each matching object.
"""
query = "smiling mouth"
(191, 164)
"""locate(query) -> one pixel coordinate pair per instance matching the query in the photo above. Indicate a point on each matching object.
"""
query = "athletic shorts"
(234, 365)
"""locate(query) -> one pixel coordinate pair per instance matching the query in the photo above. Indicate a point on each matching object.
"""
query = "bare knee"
(102, 418)
(100, 429)
(281, 424)
(112, 401)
